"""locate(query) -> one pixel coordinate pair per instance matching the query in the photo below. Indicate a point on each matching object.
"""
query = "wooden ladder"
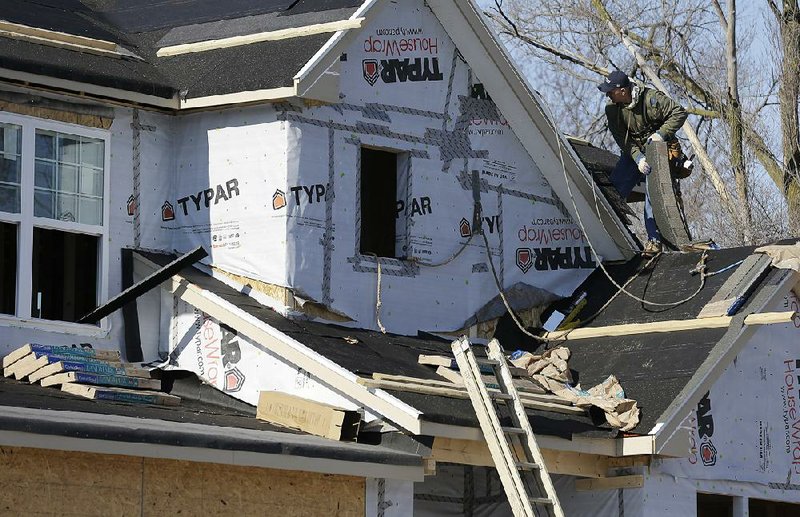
(514, 450)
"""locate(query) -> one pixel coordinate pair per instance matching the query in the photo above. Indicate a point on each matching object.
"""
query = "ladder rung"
(513, 430)
(524, 465)
(540, 500)
(500, 396)
(486, 362)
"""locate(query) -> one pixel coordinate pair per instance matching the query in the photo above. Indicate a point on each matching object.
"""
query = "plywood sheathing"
(47, 482)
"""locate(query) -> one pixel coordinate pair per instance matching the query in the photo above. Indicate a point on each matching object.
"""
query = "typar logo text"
(419, 69)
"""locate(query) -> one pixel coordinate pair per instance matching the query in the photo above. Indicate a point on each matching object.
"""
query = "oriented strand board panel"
(55, 483)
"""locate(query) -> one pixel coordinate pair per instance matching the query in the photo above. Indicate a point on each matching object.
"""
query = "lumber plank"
(18, 353)
(537, 395)
(610, 483)
(449, 362)
(765, 318)
(121, 394)
(308, 416)
(122, 381)
(456, 393)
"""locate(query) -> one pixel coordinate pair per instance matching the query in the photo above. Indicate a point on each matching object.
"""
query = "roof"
(659, 369)
(141, 27)
(199, 422)
(374, 352)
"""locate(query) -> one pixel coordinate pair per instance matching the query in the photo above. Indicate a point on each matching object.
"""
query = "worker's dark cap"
(615, 79)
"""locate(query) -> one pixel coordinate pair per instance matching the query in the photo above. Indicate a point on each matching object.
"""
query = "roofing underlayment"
(655, 368)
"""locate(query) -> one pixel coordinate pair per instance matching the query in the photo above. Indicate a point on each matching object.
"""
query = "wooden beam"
(17, 29)
(472, 452)
(280, 34)
(138, 289)
(529, 400)
(612, 483)
(306, 415)
(764, 318)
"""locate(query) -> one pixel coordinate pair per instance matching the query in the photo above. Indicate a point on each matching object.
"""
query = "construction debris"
(86, 372)
(551, 371)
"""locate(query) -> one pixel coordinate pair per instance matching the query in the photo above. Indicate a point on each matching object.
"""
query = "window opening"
(64, 274)
(383, 197)
(8, 268)
(714, 505)
(773, 508)
(10, 167)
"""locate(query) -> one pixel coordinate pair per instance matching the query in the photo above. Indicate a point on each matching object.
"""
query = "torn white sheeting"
(747, 428)
(786, 256)
(551, 371)
(235, 365)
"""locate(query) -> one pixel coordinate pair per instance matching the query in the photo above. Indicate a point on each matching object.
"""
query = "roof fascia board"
(524, 111)
(12, 29)
(728, 347)
(82, 89)
(266, 95)
(627, 446)
(320, 62)
(291, 350)
(225, 457)
(259, 37)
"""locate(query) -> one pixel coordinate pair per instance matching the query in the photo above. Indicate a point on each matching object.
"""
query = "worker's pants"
(624, 177)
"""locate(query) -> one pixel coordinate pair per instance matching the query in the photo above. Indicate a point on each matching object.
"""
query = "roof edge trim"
(225, 457)
(80, 88)
(18, 29)
(260, 37)
(270, 94)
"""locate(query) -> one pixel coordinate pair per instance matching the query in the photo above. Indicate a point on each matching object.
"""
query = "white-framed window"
(53, 218)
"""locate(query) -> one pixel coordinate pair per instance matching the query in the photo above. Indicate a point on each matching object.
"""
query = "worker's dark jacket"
(653, 112)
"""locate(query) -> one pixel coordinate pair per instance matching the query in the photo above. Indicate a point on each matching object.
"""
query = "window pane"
(10, 166)
(44, 176)
(67, 207)
(46, 145)
(91, 181)
(44, 204)
(64, 274)
(68, 148)
(91, 210)
(92, 152)
(10, 139)
(9, 198)
(67, 178)
(8, 268)
(67, 165)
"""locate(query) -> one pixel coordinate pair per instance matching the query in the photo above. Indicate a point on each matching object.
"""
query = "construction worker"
(637, 116)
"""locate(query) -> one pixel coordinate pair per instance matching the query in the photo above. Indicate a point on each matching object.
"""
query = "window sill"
(59, 327)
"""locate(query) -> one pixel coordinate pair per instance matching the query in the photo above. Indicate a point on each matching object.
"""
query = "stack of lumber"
(86, 372)
(531, 394)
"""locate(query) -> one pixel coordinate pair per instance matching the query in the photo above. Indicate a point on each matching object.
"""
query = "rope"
(448, 260)
(589, 241)
(378, 302)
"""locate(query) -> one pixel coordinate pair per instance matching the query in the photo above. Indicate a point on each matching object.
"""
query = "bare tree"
(693, 48)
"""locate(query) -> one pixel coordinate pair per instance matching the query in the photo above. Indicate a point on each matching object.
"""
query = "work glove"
(655, 137)
(644, 167)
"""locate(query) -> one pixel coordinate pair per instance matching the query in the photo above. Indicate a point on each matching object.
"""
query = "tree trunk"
(734, 115)
(789, 96)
